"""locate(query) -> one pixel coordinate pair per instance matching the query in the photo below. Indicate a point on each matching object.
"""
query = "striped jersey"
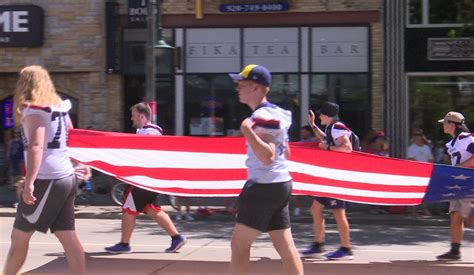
(461, 148)
(275, 121)
(55, 163)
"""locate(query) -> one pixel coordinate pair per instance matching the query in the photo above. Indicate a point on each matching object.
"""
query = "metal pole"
(150, 65)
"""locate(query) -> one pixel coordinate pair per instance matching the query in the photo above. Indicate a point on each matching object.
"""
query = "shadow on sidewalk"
(98, 264)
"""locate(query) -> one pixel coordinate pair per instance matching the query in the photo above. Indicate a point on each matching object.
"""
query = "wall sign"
(461, 48)
(340, 49)
(263, 7)
(137, 12)
(21, 26)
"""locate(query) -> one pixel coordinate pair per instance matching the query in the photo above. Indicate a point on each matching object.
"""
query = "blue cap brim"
(236, 77)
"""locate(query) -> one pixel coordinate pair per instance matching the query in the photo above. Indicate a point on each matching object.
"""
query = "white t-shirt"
(338, 130)
(461, 148)
(419, 153)
(275, 121)
(55, 163)
(150, 129)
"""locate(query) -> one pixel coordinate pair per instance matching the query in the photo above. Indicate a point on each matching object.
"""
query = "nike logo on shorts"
(33, 217)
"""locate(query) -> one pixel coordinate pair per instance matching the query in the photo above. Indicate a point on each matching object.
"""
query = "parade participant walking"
(337, 137)
(140, 200)
(49, 187)
(461, 150)
(263, 201)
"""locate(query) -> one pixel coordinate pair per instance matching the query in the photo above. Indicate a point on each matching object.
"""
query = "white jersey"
(55, 163)
(461, 148)
(275, 121)
(150, 129)
(338, 130)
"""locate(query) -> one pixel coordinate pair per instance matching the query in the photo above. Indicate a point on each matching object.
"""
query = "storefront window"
(437, 12)
(212, 107)
(350, 91)
(431, 97)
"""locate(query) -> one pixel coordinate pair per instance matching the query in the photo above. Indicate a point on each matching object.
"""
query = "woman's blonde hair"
(34, 87)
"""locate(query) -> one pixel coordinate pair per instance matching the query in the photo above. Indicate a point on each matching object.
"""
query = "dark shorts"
(265, 206)
(138, 200)
(331, 203)
(53, 209)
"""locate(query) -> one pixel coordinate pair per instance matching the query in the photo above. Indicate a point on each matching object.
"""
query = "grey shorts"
(265, 206)
(53, 209)
(464, 207)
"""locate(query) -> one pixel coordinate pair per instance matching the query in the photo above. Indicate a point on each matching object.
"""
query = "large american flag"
(215, 167)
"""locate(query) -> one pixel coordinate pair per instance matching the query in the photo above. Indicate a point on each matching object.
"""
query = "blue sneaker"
(176, 244)
(315, 250)
(340, 254)
(119, 249)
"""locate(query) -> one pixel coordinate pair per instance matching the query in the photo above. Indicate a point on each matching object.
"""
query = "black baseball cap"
(329, 109)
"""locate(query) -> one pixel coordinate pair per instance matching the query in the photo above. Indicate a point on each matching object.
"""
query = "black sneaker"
(449, 256)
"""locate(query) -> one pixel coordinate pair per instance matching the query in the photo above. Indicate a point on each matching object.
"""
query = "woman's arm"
(35, 132)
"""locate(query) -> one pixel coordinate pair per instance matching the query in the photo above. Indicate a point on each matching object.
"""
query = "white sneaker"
(178, 217)
(188, 217)
(296, 212)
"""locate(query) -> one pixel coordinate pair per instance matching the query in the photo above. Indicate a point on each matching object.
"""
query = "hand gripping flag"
(215, 167)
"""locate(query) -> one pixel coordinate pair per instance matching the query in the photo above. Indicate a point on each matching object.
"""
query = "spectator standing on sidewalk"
(49, 187)
(15, 153)
(461, 150)
(419, 151)
(140, 200)
(263, 201)
(337, 137)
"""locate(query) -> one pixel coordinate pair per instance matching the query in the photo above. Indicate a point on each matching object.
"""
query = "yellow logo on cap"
(246, 71)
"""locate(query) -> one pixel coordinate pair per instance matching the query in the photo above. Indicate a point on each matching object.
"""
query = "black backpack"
(354, 139)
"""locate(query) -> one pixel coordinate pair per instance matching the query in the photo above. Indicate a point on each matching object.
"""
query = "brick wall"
(74, 53)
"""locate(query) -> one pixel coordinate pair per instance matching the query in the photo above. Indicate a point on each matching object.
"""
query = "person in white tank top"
(263, 201)
(461, 151)
(49, 187)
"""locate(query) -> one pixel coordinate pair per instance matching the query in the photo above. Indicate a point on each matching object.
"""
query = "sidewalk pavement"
(98, 206)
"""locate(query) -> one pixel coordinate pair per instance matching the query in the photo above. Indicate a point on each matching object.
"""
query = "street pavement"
(383, 244)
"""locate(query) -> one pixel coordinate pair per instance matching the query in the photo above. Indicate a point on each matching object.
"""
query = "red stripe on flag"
(362, 199)
(172, 173)
(96, 139)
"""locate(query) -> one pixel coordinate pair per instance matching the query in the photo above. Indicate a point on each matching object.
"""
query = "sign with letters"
(340, 49)
(262, 7)
(212, 50)
(21, 26)
(460, 48)
(137, 13)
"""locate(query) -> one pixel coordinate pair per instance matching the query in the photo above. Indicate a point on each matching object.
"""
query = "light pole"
(156, 46)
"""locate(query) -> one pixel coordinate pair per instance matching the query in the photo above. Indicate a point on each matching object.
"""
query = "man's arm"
(262, 145)
(344, 145)
(318, 132)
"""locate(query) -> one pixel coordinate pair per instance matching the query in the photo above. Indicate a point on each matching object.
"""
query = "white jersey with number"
(275, 121)
(461, 148)
(55, 163)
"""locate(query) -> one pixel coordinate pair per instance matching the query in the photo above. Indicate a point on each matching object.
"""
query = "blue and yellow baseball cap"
(256, 73)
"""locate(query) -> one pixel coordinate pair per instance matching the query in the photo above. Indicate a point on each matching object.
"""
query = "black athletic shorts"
(53, 209)
(331, 203)
(265, 206)
(138, 200)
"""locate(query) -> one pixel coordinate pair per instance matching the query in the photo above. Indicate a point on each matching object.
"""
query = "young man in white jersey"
(140, 200)
(263, 202)
(336, 138)
(48, 190)
(461, 151)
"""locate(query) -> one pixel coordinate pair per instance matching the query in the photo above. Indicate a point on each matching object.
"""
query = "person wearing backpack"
(336, 137)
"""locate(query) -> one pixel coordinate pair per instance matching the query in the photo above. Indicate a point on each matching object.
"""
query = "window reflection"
(350, 91)
(431, 97)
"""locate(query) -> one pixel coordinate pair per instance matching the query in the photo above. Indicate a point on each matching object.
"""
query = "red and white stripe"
(193, 166)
